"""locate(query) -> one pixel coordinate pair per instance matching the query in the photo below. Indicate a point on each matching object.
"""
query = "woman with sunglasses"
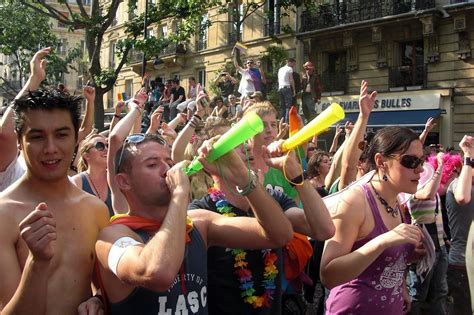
(364, 264)
(92, 169)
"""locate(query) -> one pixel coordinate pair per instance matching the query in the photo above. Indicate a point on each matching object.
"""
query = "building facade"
(417, 54)
(201, 56)
(67, 40)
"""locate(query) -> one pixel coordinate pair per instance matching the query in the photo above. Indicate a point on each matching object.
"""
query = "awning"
(412, 118)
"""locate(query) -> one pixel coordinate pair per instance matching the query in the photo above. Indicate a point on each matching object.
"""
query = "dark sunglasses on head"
(136, 139)
(411, 161)
(100, 146)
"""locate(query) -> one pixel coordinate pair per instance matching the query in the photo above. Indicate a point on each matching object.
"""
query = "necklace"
(93, 186)
(240, 263)
(392, 211)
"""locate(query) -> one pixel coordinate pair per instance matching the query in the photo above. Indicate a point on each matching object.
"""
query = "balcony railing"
(329, 15)
(135, 57)
(173, 49)
(333, 81)
(404, 76)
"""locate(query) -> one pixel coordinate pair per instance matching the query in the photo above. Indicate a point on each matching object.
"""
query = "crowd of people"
(109, 223)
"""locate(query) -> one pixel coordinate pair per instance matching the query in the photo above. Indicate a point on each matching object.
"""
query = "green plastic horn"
(246, 128)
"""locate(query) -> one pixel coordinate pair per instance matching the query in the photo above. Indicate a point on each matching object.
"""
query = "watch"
(298, 180)
(468, 161)
(250, 186)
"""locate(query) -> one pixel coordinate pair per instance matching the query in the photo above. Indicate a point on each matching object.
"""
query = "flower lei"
(243, 273)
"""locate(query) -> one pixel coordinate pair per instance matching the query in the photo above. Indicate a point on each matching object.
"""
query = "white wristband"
(117, 250)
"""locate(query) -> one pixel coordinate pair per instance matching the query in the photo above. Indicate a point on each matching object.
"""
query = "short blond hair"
(261, 109)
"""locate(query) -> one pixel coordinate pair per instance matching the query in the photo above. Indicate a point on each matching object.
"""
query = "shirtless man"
(49, 226)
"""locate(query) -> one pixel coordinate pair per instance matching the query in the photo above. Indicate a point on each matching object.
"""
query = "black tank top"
(87, 188)
(183, 297)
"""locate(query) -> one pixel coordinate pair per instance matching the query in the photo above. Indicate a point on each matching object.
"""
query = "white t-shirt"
(284, 74)
(12, 173)
(246, 85)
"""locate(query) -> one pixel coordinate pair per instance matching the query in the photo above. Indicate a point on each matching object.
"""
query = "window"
(176, 75)
(202, 41)
(202, 77)
(79, 84)
(112, 54)
(66, 16)
(235, 19)
(62, 46)
(272, 27)
(115, 20)
(151, 32)
(410, 69)
(129, 88)
(163, 31)
(110, 98)
(132, 13)
(334, 78)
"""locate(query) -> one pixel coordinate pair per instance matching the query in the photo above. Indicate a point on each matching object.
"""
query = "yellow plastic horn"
(318, 125)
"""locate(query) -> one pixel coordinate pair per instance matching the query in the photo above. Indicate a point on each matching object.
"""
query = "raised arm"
(335, 140)
(430, 123)
(335, 170)
(428, 192)
(262, 73)
(88, 121)
(462, 193)
(352, 152)
(314, 219)
(117, 114)
(156, 264)
(269, 229)
(116, 139)
(179, 145)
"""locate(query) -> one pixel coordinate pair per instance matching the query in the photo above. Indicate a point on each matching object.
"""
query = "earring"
(384, 177)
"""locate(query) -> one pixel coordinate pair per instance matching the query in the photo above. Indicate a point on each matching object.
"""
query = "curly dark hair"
(46, 99)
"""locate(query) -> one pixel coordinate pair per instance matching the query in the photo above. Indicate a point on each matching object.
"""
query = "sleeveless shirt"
(378, 289)
(186, 295)
(87, 188)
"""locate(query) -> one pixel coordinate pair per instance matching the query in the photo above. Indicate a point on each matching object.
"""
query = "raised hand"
(430, 124)
(119, 107)
(176, 179)
(38, 230)
(338, 130)
(366, 102)
(38, 65)
(229, 166)
(140, 97)
(348, 128)
(89, 93)
(282, 129)
(467, 146)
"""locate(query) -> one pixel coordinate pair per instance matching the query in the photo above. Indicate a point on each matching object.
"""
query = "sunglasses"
(411, 161)
(100, 146)
(136, 139)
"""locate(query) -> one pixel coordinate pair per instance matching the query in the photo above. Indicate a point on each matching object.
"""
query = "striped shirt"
(425, 212)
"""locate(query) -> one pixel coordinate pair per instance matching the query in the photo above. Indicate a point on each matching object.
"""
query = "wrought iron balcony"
(333, 81)
(231, 38)
(329, 15)
(404, 76)
(173, 49)
(135, 57)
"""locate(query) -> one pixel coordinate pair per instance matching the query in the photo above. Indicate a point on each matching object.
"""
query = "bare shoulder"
(111, 233)
(351, 205)
(76, 180)
(90, 205)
